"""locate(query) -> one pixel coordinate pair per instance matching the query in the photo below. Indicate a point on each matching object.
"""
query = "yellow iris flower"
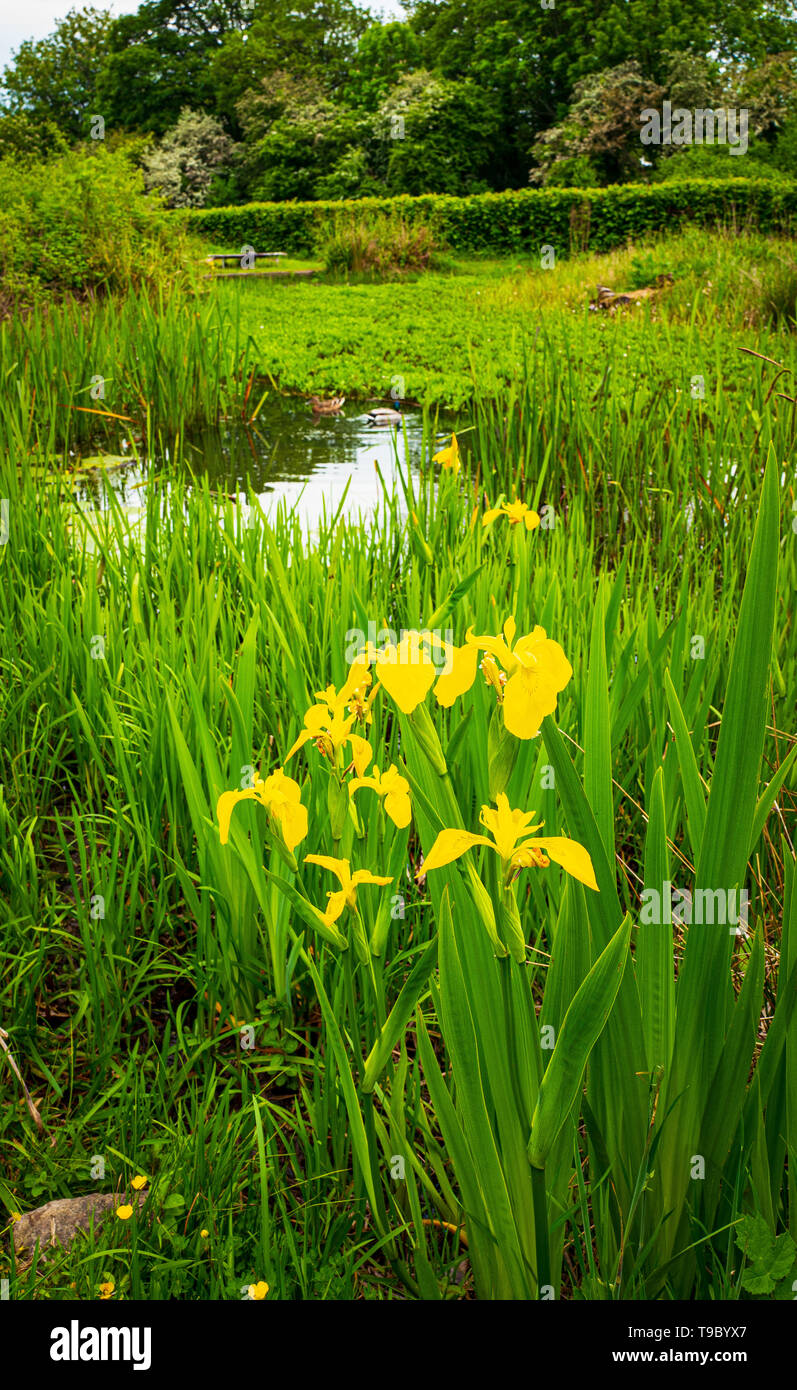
(449, 457)
(528, 673)
(537, 671)
(513, 838)
(393, 787)
(349, 883)
(516, 512)
(281, 797)
(408, 672)
(329, 726)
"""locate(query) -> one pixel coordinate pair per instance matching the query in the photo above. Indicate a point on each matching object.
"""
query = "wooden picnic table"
(241, 258)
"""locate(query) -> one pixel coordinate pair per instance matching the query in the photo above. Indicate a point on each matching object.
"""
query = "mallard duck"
(385, 415)
(330, 407)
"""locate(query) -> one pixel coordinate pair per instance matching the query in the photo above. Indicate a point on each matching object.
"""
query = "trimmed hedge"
(524, 219)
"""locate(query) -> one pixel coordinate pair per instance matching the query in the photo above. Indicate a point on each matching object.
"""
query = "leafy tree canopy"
(385, 52)
(53, 81)
(310, 94)
(158, 60)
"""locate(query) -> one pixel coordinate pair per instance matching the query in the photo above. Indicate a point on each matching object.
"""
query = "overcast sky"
(35, 19)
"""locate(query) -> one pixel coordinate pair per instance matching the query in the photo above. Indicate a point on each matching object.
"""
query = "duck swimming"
(385, 415)
(330, 407)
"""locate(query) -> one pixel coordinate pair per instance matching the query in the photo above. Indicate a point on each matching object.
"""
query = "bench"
(243, 258)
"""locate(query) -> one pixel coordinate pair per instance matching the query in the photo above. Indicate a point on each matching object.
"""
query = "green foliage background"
(323, 100)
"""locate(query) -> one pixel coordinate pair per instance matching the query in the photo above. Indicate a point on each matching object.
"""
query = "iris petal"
(569, 854)
(451, 684)
(528, 697)
(225, 806)
(451, 845)
(397, 806)
(407, 672)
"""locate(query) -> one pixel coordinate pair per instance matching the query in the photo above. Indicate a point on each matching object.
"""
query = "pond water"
(290, 456)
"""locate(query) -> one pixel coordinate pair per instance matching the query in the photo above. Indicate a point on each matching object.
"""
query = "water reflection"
(308, 462)
(289, 456)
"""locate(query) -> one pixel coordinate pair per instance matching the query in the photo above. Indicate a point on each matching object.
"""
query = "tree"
(159, 60)
(434, 136)
(602, 126)
(182, 167)
(53, 81)
(295, 138)
(569, 41)
(692, 80)
(768, 91)
(385, 53)
(308, 38)
(28, 141)
(529, 58)
(603, 122)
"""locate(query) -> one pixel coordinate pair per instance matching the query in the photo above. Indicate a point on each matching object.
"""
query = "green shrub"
(519, 220)
(385, 245)
(784, 151)
(181, 167)
(648, 267)
(81, 223)
(777, 293)
(575, 171)
(718, 162)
